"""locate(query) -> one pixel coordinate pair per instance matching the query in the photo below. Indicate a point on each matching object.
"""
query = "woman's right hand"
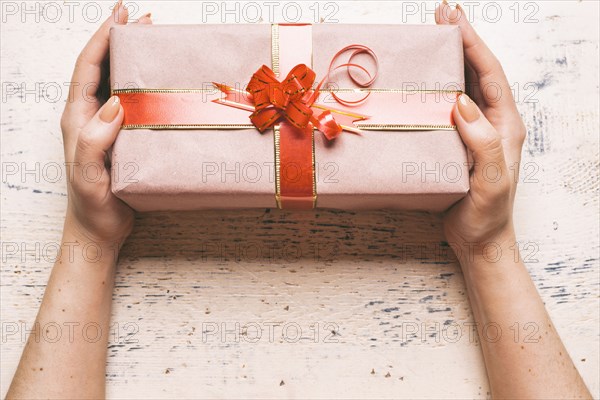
(492, 129)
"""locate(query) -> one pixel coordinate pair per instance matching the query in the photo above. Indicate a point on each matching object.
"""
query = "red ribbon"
(292, 99)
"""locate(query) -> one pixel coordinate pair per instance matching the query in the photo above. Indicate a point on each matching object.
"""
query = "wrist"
(104, 228)
(500, 249)
(78, 244)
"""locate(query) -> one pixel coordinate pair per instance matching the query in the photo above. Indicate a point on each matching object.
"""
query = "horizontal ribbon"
(388, 109)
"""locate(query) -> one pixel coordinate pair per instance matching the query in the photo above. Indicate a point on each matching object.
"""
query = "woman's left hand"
(89, 130)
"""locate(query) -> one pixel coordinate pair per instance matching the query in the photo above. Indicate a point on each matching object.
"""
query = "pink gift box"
(396, 162)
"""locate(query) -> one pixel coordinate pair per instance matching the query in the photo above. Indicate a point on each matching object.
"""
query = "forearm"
(524, 355)
(67, 359)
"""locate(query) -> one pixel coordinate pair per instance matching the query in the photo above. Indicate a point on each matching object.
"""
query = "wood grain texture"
(350, 284)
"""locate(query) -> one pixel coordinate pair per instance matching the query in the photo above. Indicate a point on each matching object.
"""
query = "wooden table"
(271, 304)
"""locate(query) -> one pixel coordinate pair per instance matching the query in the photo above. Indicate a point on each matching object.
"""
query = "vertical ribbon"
(295, 175)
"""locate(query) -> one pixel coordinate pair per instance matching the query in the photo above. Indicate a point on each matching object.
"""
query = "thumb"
(490, 173)
(94, 140)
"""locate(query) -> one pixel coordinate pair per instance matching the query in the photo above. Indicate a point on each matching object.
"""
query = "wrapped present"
(294, 116)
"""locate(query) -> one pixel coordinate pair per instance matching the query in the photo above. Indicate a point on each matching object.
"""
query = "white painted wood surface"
(360, 275)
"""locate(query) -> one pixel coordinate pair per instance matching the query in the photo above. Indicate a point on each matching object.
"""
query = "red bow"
(293, 99)
(290, 99)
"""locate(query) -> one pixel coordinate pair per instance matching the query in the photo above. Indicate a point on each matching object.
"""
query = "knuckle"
(80, 61)
(85, 141)
(65, 122)
(491, 144)
(495, 61)
(521, 132)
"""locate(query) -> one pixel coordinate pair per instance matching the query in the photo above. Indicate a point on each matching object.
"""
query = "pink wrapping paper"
(225, 169)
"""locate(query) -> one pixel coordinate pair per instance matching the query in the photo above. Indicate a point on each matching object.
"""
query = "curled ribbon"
(293, 99)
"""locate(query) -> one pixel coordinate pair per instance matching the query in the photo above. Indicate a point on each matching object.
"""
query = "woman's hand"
(480, 230)
(493, 131)
(89, 130)
(80, 289)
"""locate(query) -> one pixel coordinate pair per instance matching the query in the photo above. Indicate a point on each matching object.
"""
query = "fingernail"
(110, 110)
(467, 108)
(117, 6)
(149, 15)
(454, 14)
(119, 10)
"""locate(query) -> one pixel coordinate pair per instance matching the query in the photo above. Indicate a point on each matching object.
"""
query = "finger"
(95, 139)
(104, 91)
(485, 64)
(491, 89)
(145, 19)
(442, 13)
(490, 180)
(87, 72)
(472, 85)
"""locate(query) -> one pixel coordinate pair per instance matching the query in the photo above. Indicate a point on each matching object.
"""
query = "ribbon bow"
(293, 99)
(290, 99)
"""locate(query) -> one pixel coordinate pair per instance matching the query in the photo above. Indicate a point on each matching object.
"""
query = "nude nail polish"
(110, 110)
(454, 15)
(467, 108)
(117, 6)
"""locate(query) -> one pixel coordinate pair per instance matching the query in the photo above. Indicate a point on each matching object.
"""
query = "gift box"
(294, 116)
